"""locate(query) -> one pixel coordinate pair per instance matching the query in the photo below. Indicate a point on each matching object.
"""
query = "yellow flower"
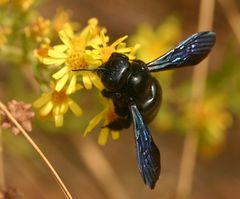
(102, 51)
(39, 29)
(107, 115)
(71, 54)
(210, 115)
(55, 104)
(42, 52)
(211, 120)
(156, 42)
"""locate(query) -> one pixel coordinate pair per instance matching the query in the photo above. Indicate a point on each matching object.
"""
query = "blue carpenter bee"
(137, 95)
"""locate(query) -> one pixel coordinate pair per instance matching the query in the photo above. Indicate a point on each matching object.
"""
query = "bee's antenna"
(91, 70)
(84, 69)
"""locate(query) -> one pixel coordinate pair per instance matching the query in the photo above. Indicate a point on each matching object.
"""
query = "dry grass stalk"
(35, 146)
(100, 167)
(189, 155)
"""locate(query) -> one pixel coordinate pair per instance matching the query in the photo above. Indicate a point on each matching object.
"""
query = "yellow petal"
(68, 30)
(79, 87)
(58, 120)
(42, 100)
(131, 56)
(92, 54)
(94, 45)
(97, 82)
(63, 108)
(121, 45)
(103, 136)
(104, 38)
(124, 50)
(46, 109)
(72, 85)
(118, 41)
(53, 61)
(61, 82)
(60, 48)
(61, 72)
(65, 39)
(57, 54)
(93, 21)
(96, 41)
(93, 123)
(74, 108)
(115, 135)
(87, 82)
(56, 110)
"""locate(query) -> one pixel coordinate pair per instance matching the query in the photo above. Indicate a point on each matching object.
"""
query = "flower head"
(55, 104)
(102, 51)
(42, 52)
(106, 116)
(39, 29)
(71, 54)
(211, 120)
(21, 112)
(86, 50)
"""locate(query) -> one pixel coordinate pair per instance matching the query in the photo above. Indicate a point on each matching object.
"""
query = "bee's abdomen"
(145, 92)
(150, 102)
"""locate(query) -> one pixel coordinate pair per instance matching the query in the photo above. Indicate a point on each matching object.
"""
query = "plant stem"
(2, 179)
(189, 155)
(231, 12)
(34, 145)
(100, 167)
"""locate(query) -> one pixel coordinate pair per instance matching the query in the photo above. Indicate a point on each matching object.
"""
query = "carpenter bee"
(137, 95)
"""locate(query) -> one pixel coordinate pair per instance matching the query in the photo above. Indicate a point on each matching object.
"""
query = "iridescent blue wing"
(189, 52)
(148, 155)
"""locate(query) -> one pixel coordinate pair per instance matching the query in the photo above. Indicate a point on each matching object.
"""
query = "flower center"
(76, 60)
(42, 52)
(59, 97)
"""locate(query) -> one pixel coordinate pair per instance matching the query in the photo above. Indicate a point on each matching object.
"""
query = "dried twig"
(34, 145)
(189, 155)
(2, 179)
(99, 166)
(232, 14)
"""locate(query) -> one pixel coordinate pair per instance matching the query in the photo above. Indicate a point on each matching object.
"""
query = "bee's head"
(113, 72)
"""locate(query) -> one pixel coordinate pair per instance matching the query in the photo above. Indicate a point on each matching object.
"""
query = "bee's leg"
(120, 108)
(109, 94)
(119, 124)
